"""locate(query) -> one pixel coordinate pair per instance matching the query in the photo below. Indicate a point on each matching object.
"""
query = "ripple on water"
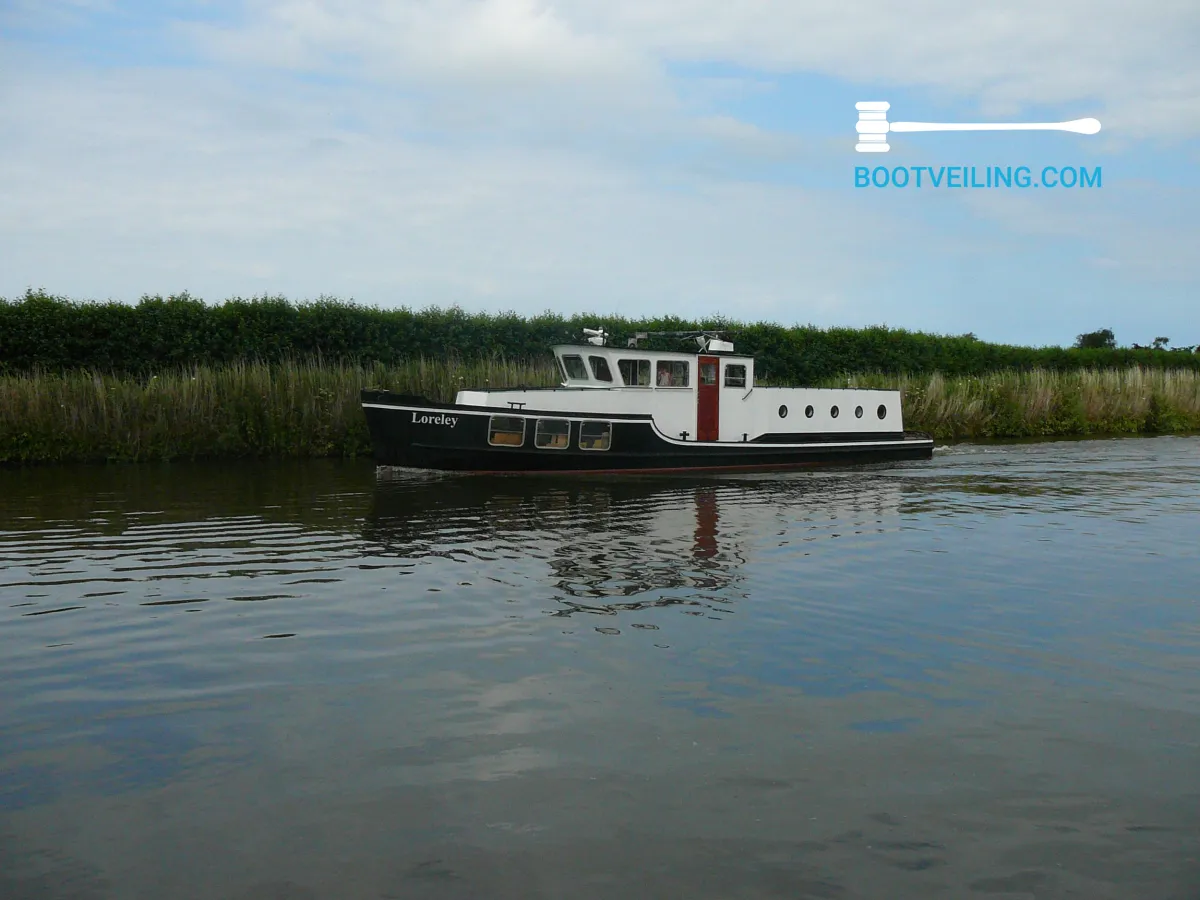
(820, 658)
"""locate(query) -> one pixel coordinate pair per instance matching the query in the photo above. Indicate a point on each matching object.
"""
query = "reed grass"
(244, 409)
(1041, 403)
(308, 408)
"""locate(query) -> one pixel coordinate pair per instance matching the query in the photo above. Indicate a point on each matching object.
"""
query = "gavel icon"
(873, 126)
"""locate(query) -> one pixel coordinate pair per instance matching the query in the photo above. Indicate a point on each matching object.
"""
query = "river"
(975, 676)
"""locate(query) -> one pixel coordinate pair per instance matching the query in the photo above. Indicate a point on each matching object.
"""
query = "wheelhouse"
(609, 368)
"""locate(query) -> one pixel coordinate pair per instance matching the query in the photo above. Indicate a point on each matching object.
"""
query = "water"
(978, 676)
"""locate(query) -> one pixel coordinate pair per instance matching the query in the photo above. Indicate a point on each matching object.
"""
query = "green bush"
(52, 334)
(1103, 339)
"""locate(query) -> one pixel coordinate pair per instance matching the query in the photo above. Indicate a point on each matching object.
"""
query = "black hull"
(418, 433)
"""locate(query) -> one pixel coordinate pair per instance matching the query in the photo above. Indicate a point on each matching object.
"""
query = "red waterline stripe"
(667, 469)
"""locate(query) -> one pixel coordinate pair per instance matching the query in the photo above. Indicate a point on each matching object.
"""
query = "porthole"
(808, 412)
(858, 412)
(833, 412)
(783, 412)
(882, 411)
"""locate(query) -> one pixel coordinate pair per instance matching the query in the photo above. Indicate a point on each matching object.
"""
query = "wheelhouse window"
(575, 368)
(600, 368)
(553, 434)
(735, 376)
(506, 431)
(595, 435)
(634, 372)
(708, 373)
(672, 373)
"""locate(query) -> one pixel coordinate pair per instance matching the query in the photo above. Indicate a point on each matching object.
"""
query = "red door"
(708, 400)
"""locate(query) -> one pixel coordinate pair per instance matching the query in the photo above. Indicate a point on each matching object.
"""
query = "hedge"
(40, 332)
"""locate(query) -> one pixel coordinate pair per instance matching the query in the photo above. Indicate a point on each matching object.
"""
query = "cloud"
(43, 13)
(160, 181)
(496, 43)
(510, 154)
(1147, 230)
(1136, 61)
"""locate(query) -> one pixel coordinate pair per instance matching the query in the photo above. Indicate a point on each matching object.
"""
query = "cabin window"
(574, 367)
(635, 372)
(735, 376)
(833, 412)
(858, 412)
(595, 435)
(506, 431)
(783, 412)
(600, 368)
(561, 368)
(553, 434)
(708, 373)
(808, 412)
(882, 411)
(672, 373)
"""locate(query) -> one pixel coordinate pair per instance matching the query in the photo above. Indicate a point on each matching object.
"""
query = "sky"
(636, 157)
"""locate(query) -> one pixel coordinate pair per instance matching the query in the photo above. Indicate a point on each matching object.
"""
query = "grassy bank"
(289, 409)
(300, 409)
(1039, 403)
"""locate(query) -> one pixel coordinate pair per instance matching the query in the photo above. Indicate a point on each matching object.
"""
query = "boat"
(635, 410)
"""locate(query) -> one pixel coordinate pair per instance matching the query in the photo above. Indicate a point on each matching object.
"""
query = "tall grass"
(289, 409)
(1042, 403)
(300, 409)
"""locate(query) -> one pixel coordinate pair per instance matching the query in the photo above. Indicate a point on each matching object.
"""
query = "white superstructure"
(709, 396)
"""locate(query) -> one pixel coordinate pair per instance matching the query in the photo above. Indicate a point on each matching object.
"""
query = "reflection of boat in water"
(618, 544)
(700, 410)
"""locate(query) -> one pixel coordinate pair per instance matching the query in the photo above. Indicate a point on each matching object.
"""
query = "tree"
(1160, 343)
(1104, 339)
